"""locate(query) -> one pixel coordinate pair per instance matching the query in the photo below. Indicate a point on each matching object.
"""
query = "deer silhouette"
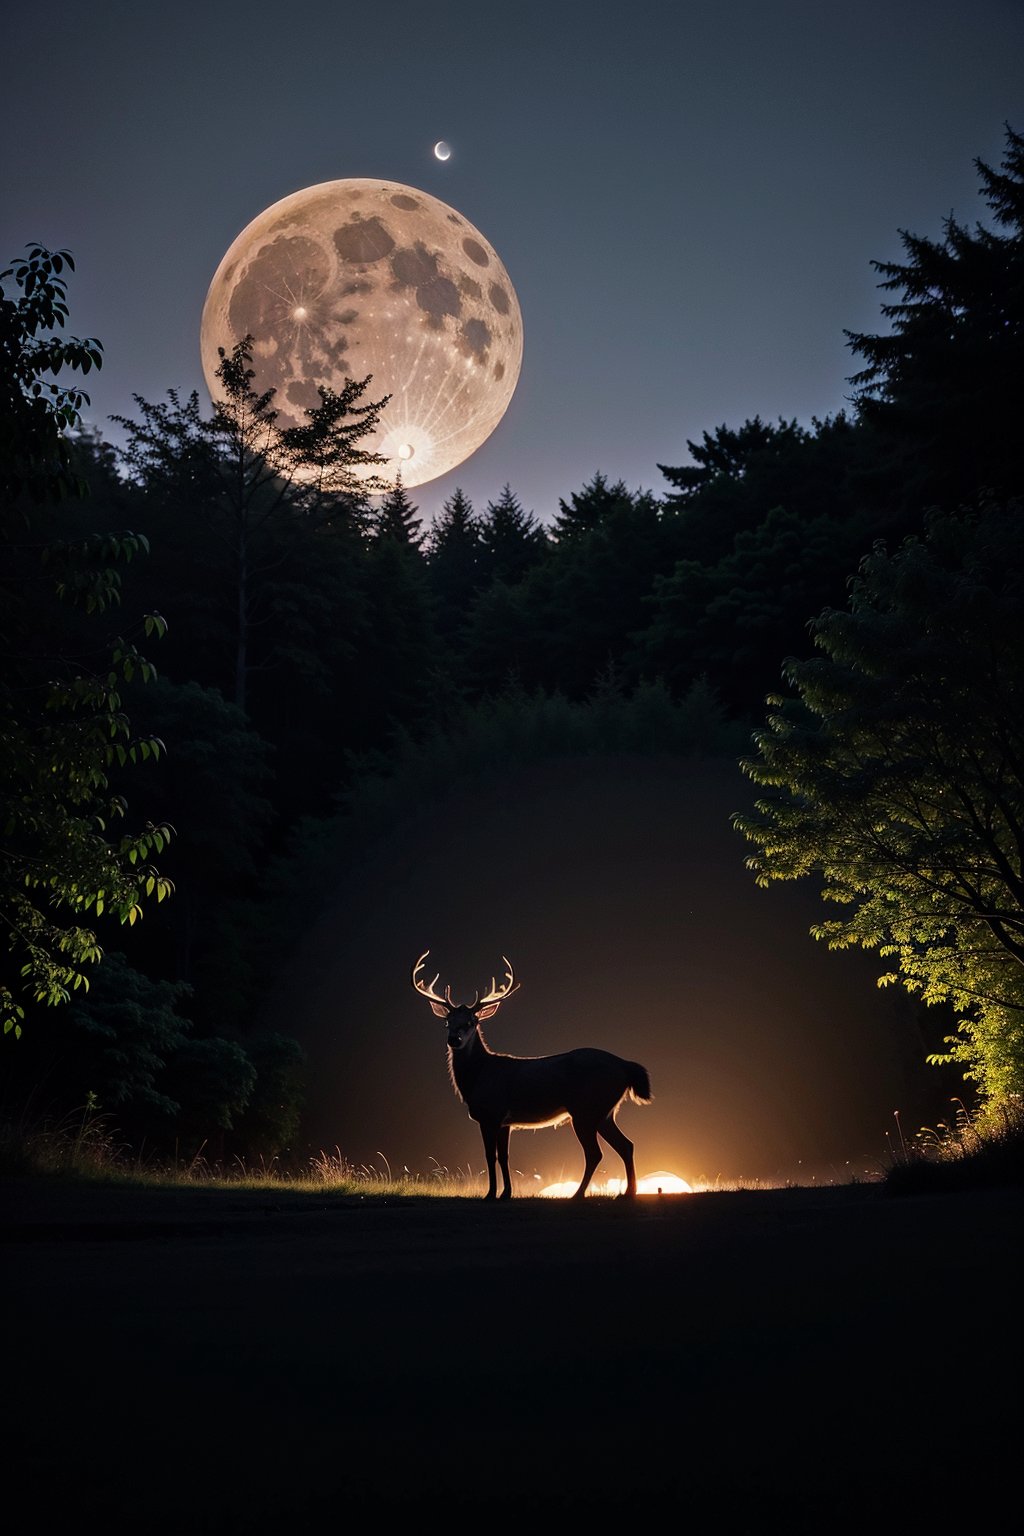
(506, 1093)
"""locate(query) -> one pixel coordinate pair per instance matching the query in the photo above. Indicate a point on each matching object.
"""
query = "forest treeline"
(284, 660)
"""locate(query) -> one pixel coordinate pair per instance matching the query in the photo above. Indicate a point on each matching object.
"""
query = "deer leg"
(624, 1147)
(504, 1131)
(592, 1154)
(490, 1138)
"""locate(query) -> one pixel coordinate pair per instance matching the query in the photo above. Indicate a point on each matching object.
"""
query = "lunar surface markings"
(411, 336)
(475, 251)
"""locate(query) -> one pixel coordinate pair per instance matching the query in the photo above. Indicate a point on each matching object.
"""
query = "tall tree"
(397, 517)
(253, 489)
(454, 569)
(739, 474)
(400, 657)
(575, 610)
(587, 509)
(943, 387)
(895, 772)
(222, 821)
(511, 539)
(735, 619)
(63, 730)
(36, 411)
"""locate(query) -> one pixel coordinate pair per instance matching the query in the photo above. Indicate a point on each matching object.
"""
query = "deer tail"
(639, 1083)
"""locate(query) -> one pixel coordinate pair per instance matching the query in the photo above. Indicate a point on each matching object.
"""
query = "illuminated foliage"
(63, 732)
(896, 774)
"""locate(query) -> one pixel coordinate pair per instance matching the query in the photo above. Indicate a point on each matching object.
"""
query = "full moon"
(354, 278)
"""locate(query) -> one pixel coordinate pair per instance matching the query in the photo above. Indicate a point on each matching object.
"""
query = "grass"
(970, 1151)
(86, 1147)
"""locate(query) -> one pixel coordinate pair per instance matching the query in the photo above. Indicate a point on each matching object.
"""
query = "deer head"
(462, 1018)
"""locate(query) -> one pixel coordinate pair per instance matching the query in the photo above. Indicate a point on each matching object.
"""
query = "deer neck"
(466, 1064)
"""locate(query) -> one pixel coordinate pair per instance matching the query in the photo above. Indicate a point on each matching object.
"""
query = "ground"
(184, 1362)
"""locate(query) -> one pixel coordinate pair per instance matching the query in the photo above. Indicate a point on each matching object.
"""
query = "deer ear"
(487, 1010)
(440, 1010)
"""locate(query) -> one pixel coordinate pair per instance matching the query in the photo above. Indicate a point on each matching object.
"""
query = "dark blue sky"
(687, 197)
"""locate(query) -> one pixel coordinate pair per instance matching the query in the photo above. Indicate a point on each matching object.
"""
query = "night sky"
(687, 197)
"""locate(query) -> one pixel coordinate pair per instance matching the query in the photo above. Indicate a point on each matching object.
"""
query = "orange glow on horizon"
(661, 1183)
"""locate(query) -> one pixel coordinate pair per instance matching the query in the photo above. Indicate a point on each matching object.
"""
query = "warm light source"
(661, 1183)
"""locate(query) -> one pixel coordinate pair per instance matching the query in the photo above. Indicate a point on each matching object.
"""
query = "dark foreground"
(808, 1360)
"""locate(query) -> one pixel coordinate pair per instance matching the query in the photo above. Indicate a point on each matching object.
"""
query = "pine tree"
(943, 388)
(255, 490)
(731, 454)
(396, 517)
(589, 508)
(512, 541)
(454, 560)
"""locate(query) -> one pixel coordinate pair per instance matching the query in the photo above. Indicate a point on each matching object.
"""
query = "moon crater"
(475, 251)
(447, 352)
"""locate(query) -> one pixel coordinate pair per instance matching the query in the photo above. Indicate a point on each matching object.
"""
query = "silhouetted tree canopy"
(511, 539)
(397, 517)
(944, 386)
(454, 555)
(587, 509)
(575, 611)
(252, 488)
(36, 411)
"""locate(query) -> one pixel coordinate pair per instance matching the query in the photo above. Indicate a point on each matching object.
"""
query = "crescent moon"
(442, 151)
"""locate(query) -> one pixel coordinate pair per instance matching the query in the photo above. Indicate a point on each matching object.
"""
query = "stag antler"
(428, 991)
(498, 994)
(490, 1000)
